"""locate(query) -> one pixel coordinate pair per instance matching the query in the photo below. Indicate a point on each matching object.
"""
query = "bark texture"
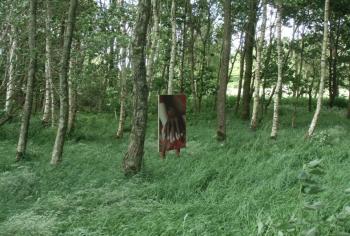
(277, 98)
(253, 124)
(123, 93)
(223, 76)
(10, 87)
(249, 46)
(154, 44)
(132, 161)
(63, 91)
(48, 63)
(27, 108)
(173, 48)
(323, 71)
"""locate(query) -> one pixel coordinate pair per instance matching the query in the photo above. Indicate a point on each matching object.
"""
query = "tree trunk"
(173, 48)
(123, 93)
(253, 124)
(183, 49)
(249, 46)
(63, 94)
(224, 67)
(241, 73)
(154, 45)
(323, 72)
(10, 87)
(277, 99)
(285, 65)
(72, 98)
(27, 108)
(310, 91)
(348, 115)
(334, 85)
(298, 80)
(133, 158)
(192, 59)
(48, 63)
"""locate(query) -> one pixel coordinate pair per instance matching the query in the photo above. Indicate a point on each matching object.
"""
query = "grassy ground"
(245, 185)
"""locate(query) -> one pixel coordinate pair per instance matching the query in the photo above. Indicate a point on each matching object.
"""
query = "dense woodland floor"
(244, 186)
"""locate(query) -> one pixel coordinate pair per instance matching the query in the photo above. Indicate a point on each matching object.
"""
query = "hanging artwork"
(172, 123)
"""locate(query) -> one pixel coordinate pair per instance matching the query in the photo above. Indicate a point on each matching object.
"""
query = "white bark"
(123, 93)
(10, 88)
(277, 98)
(173, 48)
(323, 71)
(48, 65)
(253, 123)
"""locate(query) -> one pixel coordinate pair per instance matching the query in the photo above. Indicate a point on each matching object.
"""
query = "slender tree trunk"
(123, 93)
(298, 80)
(253, 124)
(154, 44)
(249, 46)
(241, 74)
(173, 48)
(10, 88)
(48, 63)
(310, 91)
(323, 72)
(285, 65)
(132, 161)
(183, 49)
(72, 98)
(63, 93)
(224, 67)
(333, 79)
(27, 108)
(275, 121)
(192, 59)
(348, 115)
(335, 61)
(52, 106)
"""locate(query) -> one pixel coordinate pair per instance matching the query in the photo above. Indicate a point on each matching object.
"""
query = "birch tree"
(133, 158)
(249, 46)
(277, 98)
(123, 93)
(49, 96)
(260, 46)
(10, 87)
(323, 71)
(27, 108)
(154, 44)
(63, 91)
(173, 48)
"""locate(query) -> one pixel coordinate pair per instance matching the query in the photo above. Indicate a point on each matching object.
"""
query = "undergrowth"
(247, 185)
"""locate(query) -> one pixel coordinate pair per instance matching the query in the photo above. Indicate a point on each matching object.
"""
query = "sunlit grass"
(213, 189)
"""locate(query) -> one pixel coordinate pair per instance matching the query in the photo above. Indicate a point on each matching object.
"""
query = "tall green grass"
(214, 188)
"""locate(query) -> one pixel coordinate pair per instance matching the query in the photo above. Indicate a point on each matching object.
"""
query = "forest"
(267, 86)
